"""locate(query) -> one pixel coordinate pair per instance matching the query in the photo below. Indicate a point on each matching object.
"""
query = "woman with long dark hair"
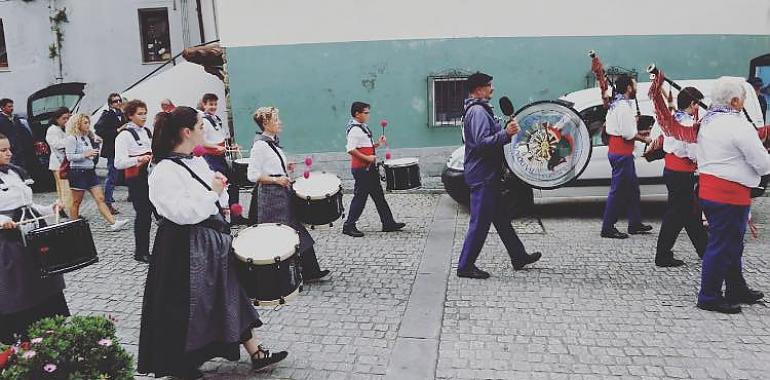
(194, 307)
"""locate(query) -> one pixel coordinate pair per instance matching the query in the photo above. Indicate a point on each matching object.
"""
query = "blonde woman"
(80, 151)
(55, 136)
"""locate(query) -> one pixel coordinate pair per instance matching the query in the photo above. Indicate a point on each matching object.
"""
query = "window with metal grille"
(156, 40)
(3, 51)
(446, 94)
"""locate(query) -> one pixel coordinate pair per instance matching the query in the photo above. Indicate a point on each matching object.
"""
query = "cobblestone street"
(592, 308)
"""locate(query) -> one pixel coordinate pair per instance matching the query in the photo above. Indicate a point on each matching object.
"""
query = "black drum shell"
(240, 175)
(62, 247)
(318, 212)
(270, 282)
(402, 177)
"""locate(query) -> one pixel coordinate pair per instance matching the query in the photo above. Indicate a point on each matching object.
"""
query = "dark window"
(594, 118)
(156, 43)
(447, 95)
(3, 51)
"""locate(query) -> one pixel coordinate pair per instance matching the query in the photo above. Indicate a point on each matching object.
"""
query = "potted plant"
(68, 348)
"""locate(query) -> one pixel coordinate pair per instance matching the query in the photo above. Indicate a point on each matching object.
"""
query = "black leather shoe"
(352, 231)
(614, 234)
(531, 258)
(318, 277)
(143, 259)
(723, 307)
(639, 229)
(669, 263)
(263, 359)
(473, 272)
(393, 227)
(748, 297)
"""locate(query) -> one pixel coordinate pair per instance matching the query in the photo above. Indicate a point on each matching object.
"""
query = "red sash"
(621, 146)
(715, 189)
(680, 164)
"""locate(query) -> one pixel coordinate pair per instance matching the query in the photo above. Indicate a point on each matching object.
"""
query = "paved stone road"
(591, 309)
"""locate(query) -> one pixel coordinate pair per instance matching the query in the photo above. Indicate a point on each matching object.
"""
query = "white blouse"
(179, 197)
(126, 148)
(264, 161)
(357, 138)
(55, 136)
(621, 119)
(214, 133)
(728, 148)
(17, 194)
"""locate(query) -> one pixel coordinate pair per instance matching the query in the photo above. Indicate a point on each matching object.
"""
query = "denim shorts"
(83, 179)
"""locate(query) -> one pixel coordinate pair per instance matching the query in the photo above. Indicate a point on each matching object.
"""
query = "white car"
(594, 180)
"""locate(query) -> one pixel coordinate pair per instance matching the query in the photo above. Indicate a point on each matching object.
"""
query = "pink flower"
(105, 342)
(50, 367)
(29, 354)
(36, 340)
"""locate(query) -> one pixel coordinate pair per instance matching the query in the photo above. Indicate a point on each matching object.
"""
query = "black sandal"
(266, 360)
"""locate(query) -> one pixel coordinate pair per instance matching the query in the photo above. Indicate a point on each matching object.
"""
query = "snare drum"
(240, 173)
(319, 198)
(402, 174)
(62, 247)
(268, 263)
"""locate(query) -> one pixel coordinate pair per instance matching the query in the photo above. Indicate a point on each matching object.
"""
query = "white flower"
(105, 342)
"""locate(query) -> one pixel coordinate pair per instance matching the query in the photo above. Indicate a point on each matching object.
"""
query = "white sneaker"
(118, 225)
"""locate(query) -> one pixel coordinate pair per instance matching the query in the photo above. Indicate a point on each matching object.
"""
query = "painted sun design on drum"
(544, 146)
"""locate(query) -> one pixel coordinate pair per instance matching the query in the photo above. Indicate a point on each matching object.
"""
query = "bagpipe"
(644, 123)
(689, 134)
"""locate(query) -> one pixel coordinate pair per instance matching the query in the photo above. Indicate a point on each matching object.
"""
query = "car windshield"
(51, 103)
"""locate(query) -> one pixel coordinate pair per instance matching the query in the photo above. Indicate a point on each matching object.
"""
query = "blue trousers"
(219, 164)
(722, 262)
(139, 191)
(486, 209)
(624, 192)
(110, 181)
(368, 185)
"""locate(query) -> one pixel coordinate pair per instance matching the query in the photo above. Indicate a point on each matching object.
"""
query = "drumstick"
(25, 221)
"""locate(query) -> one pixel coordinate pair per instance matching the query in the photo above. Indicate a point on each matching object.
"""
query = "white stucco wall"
(101, 45)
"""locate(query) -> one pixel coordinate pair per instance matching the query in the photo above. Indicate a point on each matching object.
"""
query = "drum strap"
(197, 178)
(20, 171)
(271, 144)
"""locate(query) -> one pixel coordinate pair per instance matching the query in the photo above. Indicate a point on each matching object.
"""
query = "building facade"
(408, 59)
(107, 44)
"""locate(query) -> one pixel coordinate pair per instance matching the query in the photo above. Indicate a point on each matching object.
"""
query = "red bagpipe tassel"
(668, 124)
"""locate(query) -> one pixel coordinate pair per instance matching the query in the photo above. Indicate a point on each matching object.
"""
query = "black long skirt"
(14, 326)
(194, 307)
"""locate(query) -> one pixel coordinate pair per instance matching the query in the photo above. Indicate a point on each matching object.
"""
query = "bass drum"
(553, 145)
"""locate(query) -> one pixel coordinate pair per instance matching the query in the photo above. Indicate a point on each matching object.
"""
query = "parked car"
(40, 107)
(594, 179)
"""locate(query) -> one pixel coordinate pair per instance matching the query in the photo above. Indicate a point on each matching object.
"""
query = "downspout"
(200, 21)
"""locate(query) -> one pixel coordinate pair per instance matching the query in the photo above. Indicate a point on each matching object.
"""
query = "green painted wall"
(314, 84)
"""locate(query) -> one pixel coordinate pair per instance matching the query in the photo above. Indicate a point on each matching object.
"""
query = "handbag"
(64, 168)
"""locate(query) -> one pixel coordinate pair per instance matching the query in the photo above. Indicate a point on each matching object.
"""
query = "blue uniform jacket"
(484, 140)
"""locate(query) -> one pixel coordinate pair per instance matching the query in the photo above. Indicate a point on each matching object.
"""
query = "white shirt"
(214, 133)
(621, 119)
(264, 161)
(357, 139)
(179, 197)
(126, 147)
(677, 147)
(17, 195)
(55, 136)
(728, 148)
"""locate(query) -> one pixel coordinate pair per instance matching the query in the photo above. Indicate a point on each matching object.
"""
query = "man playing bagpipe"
(679, 171)
(731, 160)
(621, 126)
